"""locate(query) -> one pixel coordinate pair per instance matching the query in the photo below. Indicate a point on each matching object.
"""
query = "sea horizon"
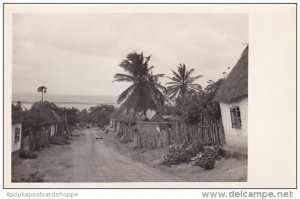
(65, 100)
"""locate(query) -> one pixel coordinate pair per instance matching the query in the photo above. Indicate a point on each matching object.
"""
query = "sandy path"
(91, 160)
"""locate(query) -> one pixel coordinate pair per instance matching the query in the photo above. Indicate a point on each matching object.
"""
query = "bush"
(183, 153)
(208, 157)
(180, 153)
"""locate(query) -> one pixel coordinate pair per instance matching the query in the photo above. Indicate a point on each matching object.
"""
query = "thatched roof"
(43, 113)
(56, 117)
(16, 115)
(235, 85)
(129, 116)
(121, 114)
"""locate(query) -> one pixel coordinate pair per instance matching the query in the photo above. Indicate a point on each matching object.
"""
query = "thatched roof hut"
(16, 115)
(43, 113)
(236, 84)
(129, 116)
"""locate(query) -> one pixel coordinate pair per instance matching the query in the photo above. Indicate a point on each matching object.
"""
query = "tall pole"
(42, 96)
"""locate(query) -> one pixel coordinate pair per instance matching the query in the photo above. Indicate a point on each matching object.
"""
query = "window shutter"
(232, 117)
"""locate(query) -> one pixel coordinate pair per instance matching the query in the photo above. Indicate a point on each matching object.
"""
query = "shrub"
(208, 157)
(179, 153)
(183, 153)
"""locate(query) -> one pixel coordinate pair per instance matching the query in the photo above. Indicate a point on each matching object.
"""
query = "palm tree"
(145, 92)
(43, 90)
(182, 85)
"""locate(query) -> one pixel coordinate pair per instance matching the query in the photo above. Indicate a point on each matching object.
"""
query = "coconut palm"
(43, 90)
(182, 84)
(145, 92)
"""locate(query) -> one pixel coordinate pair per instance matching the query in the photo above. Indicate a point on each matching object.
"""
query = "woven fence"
(156, 135)
(182, 132)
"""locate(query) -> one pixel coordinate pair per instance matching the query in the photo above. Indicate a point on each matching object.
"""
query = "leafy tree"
(202, 104)
(84, 116)
(71, 114)
(107, 108)
(182, 85)
(100, 115)
(145, 92)
(42, 89)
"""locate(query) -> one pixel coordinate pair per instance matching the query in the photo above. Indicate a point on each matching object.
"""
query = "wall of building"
(235, 137)
(16, 145)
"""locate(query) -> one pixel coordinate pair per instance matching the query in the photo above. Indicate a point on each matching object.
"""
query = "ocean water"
(78, 101)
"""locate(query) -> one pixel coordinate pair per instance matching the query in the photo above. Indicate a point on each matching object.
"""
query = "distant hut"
(129, 126)
(233, 98)
(44, 122)
(113, 117)
(17, 120)
(126, 124)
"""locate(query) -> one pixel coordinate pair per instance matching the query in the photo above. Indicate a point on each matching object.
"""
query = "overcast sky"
(80, 53)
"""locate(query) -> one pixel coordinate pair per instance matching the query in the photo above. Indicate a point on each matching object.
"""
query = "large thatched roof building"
(43, 113)
(233, 98)
(236, 84)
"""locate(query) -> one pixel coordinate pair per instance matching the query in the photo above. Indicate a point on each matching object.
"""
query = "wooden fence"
(156, 135)
(182, 132)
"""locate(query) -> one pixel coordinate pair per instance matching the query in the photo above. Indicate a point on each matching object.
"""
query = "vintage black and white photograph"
(129, 97)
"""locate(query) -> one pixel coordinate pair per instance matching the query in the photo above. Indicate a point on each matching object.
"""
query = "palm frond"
(174, 79)
(192, 79)
(182, 71)
(196, 87)
(123, 77)
(177, 75)
(158, 75)
(146, 92)
(150, 68)
(174, 94)
(126, 93)
(190, 72)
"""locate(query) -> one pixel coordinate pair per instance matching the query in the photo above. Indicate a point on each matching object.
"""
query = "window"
(17, 134)
(235, 114)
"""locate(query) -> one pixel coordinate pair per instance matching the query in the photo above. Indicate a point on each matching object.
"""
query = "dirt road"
(91, 160)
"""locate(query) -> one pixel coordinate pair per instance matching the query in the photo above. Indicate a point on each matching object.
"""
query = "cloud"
(79, 53)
